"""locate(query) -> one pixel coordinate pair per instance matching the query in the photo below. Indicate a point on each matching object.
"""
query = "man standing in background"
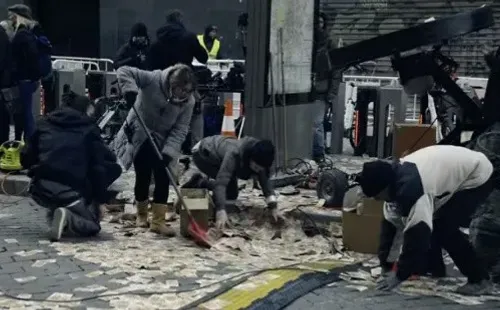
(208, 40)
(175, 44)
(326, 86)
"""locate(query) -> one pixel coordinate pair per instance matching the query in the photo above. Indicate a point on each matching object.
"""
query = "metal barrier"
(220, 65)
(87, 64)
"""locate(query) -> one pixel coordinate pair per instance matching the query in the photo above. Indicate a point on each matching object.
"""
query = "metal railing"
(83, 63)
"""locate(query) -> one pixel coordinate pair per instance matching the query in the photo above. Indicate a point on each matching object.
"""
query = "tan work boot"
(158, 222)
(142, 214)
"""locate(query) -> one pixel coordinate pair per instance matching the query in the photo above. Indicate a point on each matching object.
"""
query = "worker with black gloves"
(164, 99)
(225, 160)
(435, 191)
(71, 168)
(389, 231)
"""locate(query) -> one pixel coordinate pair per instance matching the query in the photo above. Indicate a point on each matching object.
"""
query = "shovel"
(199, 235)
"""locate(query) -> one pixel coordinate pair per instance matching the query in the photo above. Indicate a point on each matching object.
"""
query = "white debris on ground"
(252, 244)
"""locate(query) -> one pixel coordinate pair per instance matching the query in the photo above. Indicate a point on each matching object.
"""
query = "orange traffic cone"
(228, 129)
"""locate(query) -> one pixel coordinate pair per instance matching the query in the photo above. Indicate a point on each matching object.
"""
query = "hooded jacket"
(67, 149)
(175, 45)
(208, 42)
(167, 122)
(228, 158)
(133, 54)
(419, 192)
(25, 55)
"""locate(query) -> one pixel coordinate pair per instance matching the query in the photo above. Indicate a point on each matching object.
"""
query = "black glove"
(166, 159)
(389, 282)
(130, 98)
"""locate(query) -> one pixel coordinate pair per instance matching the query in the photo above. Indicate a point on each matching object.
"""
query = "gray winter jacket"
(228, 158)
(167, 122)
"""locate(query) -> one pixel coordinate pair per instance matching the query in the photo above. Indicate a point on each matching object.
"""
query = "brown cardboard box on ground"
(411, 137)
(361, 232)
(371, 207)
(197, 201)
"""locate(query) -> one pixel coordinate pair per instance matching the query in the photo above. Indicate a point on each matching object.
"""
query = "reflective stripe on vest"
(212, 54)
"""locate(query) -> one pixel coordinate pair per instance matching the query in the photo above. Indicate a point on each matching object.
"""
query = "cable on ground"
(6, 193)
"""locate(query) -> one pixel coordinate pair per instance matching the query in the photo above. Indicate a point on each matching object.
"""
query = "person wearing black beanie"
(434, 191)
(224, 160)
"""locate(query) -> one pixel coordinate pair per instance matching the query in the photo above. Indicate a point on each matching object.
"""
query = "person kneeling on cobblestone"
(71, 168)
(435, 190)
(225, 160)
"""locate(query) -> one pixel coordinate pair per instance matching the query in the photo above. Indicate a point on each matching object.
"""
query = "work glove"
(221, 219)
(389, 282)
(166, 159)
(272, 205)
(130, 98)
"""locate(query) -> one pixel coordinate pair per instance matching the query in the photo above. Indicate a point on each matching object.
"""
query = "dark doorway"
(71, 26)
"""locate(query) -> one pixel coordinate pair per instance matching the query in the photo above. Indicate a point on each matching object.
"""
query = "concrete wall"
(293, 130)
(117, 16)
(6, 3)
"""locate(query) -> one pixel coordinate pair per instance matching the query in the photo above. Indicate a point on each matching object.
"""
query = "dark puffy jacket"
(132, 54)
(25, 55)
(229, 158)
(67, 148)
(5, 59)
(175, 45)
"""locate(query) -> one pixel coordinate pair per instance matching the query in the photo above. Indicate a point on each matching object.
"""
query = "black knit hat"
(21, 10)
(262, 153)
(375, 177)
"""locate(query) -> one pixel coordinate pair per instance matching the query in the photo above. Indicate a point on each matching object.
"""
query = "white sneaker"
(58, 224)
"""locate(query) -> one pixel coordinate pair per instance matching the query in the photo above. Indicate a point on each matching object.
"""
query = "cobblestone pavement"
(69, 274)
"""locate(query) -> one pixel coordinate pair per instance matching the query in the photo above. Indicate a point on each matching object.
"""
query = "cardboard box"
(197, 201)
(361, 233)
(411, 137)
(371, 207)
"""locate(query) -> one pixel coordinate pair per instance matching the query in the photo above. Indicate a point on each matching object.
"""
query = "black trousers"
(18, 125)
(456, 213)
(4, 123)
(211, 171)
(83, 218)
(146, 163)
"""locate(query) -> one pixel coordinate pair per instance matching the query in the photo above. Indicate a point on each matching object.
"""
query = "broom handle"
(160, 158)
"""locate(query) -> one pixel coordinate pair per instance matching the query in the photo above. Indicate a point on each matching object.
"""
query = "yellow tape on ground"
(258, 287)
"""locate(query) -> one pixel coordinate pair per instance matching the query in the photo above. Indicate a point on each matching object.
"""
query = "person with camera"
(133, 53)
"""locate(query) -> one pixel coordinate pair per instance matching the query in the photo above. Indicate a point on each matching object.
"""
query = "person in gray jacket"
(225, 160)
(164, 99)
(434, 191)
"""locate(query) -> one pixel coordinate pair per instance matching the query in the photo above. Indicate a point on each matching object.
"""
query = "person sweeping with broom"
(164, 100)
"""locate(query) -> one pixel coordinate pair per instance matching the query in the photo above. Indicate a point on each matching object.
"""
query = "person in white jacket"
(435, 191)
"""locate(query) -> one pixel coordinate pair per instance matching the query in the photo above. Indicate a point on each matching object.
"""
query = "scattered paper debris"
(91, 288)
(60, 297)
(28, 253)
(43, 262)
(357, 287)
(376, 272)
(25, 279)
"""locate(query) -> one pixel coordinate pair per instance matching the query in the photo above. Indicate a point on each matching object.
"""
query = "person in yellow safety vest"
(210, 43)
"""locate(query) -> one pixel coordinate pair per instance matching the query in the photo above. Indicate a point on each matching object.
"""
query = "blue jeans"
(320, 109)
(25, 101)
